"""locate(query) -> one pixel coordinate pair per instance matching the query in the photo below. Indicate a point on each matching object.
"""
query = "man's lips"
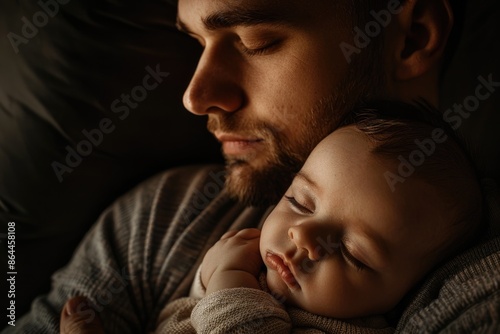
(276, 263)
(237, 145)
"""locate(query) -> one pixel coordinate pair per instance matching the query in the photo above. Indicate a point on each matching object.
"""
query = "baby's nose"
(306, 238)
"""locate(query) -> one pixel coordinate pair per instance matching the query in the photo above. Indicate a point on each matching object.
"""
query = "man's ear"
(422, 29)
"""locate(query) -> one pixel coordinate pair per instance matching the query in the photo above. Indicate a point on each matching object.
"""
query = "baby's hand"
(234, 261)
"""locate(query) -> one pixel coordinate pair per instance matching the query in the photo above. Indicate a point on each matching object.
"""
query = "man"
(275, 77)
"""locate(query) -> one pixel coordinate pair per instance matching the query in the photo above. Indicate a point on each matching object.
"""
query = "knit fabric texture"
(144, 251)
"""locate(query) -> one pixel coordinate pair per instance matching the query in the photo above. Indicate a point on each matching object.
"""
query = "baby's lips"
(276, 263)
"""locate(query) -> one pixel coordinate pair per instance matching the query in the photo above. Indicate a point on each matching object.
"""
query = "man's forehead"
(215, 14)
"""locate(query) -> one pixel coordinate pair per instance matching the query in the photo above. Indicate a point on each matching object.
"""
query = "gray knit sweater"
(249, 311)
(144, 251)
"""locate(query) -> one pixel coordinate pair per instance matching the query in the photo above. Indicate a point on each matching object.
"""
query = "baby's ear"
(420, 33)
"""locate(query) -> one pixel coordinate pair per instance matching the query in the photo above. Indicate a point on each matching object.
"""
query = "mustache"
(280, 150)
(232, 123)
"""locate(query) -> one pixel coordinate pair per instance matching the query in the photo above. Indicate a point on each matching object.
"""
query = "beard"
(261, 180)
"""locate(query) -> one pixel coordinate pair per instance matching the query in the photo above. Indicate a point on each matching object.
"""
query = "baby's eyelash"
(360, 266)
(297, 205)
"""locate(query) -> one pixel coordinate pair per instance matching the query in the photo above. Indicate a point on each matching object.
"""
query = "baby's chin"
(279, 290)
(290, 297)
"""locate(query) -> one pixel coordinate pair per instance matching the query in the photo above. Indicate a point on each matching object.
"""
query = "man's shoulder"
(172, 198)
(460, 296)
(186, 175)
(181, 181)
(463, 294)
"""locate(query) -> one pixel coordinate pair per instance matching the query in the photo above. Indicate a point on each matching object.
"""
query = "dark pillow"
(90, 104)
(471, 86)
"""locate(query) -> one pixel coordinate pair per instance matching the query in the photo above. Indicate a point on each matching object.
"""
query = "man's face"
(341, 243)
(273, 81)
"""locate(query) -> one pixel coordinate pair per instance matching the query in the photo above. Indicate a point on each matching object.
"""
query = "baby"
(378, 204)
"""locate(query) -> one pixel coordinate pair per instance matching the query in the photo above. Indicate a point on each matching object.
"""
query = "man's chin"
(255, 185)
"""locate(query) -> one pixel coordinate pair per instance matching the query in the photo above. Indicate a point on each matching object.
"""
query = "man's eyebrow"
(244, 17)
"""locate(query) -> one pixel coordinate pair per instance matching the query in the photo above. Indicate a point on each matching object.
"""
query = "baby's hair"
(398, 131)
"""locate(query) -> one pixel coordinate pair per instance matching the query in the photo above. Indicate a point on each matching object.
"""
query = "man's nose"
(216, 84)
(306, 237)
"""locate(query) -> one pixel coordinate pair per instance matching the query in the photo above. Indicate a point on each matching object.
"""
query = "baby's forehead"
(346, 137)
(345, 151)
(350, 129)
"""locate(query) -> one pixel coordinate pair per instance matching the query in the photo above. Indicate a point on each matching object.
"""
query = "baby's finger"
(228, 234)
(249, 233)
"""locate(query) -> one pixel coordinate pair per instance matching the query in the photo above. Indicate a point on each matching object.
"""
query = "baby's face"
(340, 243)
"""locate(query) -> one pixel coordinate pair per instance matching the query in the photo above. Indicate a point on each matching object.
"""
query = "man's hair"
(433, 153)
